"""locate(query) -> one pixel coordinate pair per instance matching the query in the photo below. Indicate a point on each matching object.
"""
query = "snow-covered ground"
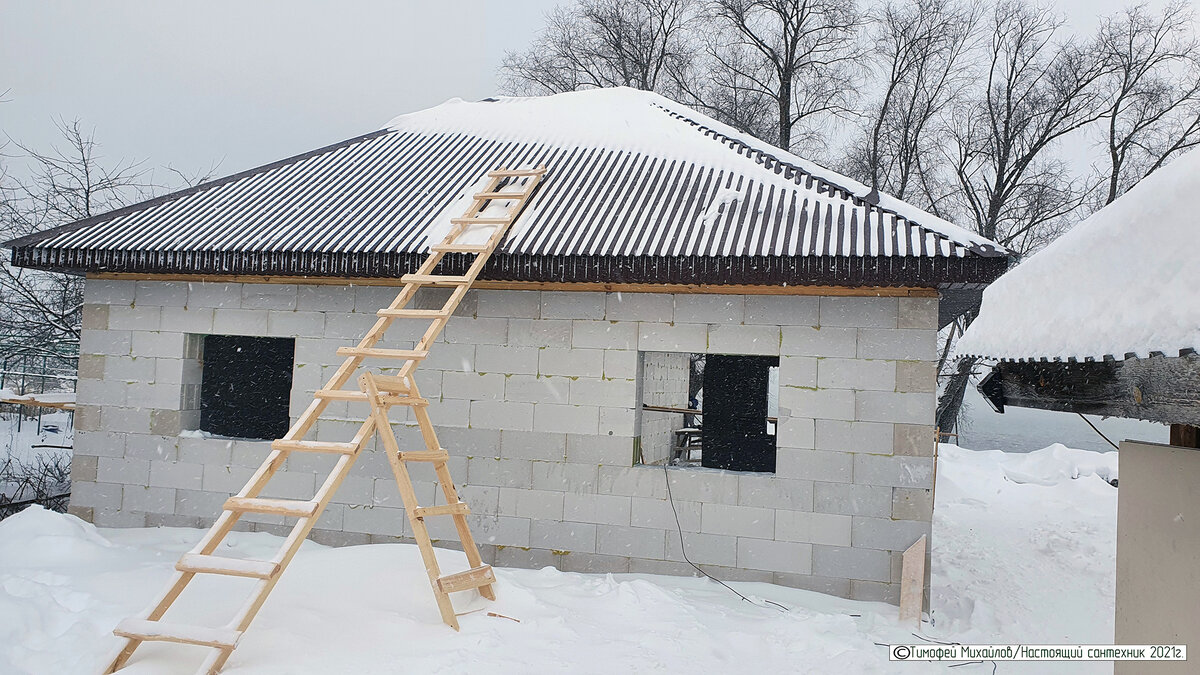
(1023, 550)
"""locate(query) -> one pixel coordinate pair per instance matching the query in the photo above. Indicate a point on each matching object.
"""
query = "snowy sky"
(241, 84)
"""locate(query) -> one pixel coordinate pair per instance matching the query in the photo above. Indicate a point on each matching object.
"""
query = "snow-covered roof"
(631, 175)
(1124, 281)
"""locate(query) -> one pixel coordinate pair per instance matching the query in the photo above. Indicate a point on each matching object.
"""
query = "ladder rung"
(391, 384)
(462, 581)
(425, 456)
(350, 395)
(234, 567)
(141, 629)
(504, 173)
(480, 221)
(459, 509)
(414, 313)
(283, 507)
(314, 446)
(378, 353)
(434, 279)
(459, 248)
(500, 195)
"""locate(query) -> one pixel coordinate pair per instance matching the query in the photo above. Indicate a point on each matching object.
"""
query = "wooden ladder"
(508, 191)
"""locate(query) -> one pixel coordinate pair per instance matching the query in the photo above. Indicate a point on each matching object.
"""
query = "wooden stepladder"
(495, 207)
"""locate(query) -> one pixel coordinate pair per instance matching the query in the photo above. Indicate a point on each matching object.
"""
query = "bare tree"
(604, 43)
(1153, 89)
(921, 57)
(793, 59)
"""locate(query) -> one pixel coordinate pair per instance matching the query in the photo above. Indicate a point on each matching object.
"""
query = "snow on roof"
(621, 118)
(1123, 281)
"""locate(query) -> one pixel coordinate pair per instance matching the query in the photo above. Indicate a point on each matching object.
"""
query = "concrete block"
(537, 389)
(633, 481)
(483, 499)
(658, 513)
(831, 404)
(230, 321)
(888, 534)
(640, 307)
(916, 376)
(580, 419)
(123, 470)
(122, 518)
(851, 563)
(704, 485)
(704, 308)
(98, 443)
(188, 319)
(553, 535)
(507, 360)
(913, 440)
(166, 422)
(633, 542)
(134, 317)
(128, 420)
(596, 508)
(593, 563)
(269, 296)
(497, 530)
(859, 312)
(526, 558)
(101, 392)
(498, 472)
(900, 471)
(324, 297)
(702, 549)
(162, 448)
(505, 415)
(618, 422)
(900, 344)
(604, 335)
(739, 574)
(737, 339)
(777, 556)
(96, 495)
(472, 386)
(852, 499)
(605, 449)
(679, 337)
(559, 475)
(482, 331)
(172, 520)
(775, 492)
(226, 479)
(571, 362)
(738, 521)
(199, 503)
(554, 333)
(920, 313)
(874, 591)
(526, 503)
(157, 344)
(572, 305)
(161, 293)
(662, 568)
(375, 520)
(545, 446)
(841, 436)
(147, 499)
(827, 341)
(109, 292)
(87, 418)
(912, 504)
(795, 432)
(91, 366)
(83, 468)
(603, 392)
(815, 465)
(468, 442)
(620, 364)
(782, 310)
(815, 528)
(131, 368)
(108, 342)
(887, 406)
(94, 317)
(161, 395)
(811, 582)
(509, 304)
(347, 327)
(798, 371)
(295, 324)
(874, 375)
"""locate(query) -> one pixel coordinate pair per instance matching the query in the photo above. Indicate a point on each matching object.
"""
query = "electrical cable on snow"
(683, 549)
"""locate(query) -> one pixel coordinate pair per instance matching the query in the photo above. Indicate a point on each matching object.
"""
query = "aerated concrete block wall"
(664, 382)
(534, 394)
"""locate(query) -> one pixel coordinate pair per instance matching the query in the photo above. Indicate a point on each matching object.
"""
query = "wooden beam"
(1185, 436)
(722, 289)
(1158, 389)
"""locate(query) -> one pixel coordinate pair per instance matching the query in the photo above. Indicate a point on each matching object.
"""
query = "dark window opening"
(712, 410)
(246, 385)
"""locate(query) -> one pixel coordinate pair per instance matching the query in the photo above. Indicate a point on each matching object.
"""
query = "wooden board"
(912, 583)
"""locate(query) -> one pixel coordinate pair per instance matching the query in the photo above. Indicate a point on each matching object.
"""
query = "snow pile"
(1011, 561)
(640, 121)
(1124, 280)
(1057, 463)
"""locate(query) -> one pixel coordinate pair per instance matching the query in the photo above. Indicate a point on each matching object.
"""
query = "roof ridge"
(42, 235)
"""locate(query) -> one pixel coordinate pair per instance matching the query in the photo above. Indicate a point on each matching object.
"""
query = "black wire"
(1093, 426)
(683, 548)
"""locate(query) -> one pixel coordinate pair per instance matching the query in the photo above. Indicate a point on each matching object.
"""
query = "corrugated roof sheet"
(383, 192)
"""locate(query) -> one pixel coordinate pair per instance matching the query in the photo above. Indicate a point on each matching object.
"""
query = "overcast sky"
(242, 84)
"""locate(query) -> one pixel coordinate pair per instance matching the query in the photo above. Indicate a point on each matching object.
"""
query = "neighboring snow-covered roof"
(632, 175)
(1125, 280)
